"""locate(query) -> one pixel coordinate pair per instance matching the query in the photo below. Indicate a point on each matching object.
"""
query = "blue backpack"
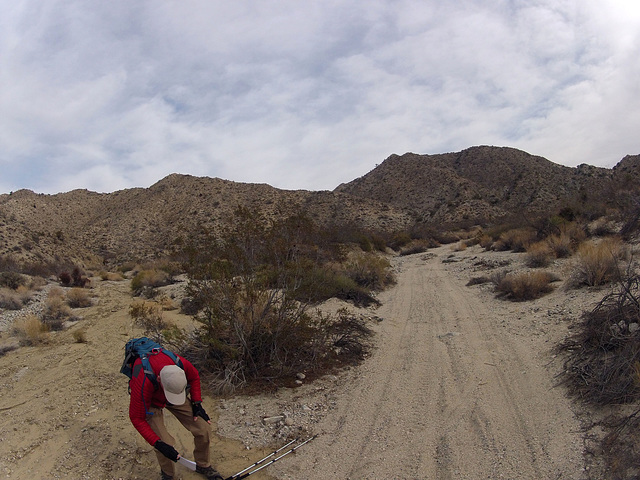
(142, 348)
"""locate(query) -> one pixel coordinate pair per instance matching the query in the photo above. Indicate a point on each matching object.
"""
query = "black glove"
(198, 411)
(167, 450)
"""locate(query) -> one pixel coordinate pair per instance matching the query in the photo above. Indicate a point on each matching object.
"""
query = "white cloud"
(109, 95)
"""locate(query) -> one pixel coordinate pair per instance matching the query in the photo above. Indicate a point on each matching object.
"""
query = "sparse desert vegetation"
(260, 262)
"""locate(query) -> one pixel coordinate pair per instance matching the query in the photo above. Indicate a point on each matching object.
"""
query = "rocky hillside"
(89, 227)
(484, 183)
(480, 183)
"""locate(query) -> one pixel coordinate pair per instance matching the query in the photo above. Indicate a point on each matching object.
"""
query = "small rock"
(272, 420)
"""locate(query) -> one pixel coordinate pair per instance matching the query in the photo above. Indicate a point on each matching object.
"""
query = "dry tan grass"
(56, 310)
(526, 285)
(598, 263)
(78, 298)
(539, 255)
(31, 330)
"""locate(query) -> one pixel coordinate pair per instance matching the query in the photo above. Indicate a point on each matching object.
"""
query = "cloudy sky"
(306, 94)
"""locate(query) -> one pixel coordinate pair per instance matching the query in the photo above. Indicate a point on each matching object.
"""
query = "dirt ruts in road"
(449, 393)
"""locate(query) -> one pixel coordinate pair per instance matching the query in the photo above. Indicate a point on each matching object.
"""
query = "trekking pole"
(240, 475)
(262, 460)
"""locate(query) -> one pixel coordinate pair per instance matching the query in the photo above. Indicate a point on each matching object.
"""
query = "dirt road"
(453, 391)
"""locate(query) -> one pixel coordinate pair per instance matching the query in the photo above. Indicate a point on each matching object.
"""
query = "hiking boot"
(165, 476)
(209, 472)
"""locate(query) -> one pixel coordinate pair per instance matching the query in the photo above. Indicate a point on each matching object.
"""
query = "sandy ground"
(459, 386)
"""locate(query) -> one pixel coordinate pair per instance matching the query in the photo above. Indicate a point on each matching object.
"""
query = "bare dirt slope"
(460, 386)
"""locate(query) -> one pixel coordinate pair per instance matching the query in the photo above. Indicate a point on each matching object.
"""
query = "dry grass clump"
(459, 247)
(111, 276)
(524, 286)
(567, 240)
(78, 298)
(415, 246)
(516, 240)
(14, 299)
(145, 281)
(597, 263)
(30, 331)
(539, 255)
(56, 310)
(80, 335)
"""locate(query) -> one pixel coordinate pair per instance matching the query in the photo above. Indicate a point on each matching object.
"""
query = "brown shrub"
(525, 286)
(56, 311)
(30, 331)
(10, 299)
(78, 298)
(111, 276)
(148, 315)
(538, 255)
(598, 263)
(517, 239)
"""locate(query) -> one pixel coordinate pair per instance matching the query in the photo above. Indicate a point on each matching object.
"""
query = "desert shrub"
(12, 280)
(252, 287)
(78, 277)
(416, 246)
(65, 278)
(525, 286)
(478, 281)
(602, 227)
(78, 298)
(459, 247)
(516, 240)
(110, 276)
(148, 315)
(148, 280)
(165, 302)
(80, 335)
(597, 263)
(30, 331)
(370, 271)
(485, 241)
(4, 349)
(560, 245)
(10, 299)
(399, 240)
(538, 255)
(56, 311)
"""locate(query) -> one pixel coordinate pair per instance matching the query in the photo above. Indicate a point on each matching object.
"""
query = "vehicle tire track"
(447, 394)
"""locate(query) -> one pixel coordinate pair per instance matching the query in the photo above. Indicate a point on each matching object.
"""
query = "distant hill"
(478, 184)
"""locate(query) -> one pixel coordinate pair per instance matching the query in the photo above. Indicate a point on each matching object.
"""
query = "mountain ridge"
(481, 184)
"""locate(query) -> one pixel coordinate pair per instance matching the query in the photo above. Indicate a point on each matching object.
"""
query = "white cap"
(174, 384)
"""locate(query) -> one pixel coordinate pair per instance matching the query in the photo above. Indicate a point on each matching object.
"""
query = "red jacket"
(144, 394)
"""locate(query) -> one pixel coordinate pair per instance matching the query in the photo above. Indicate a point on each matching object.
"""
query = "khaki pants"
(200, 430)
